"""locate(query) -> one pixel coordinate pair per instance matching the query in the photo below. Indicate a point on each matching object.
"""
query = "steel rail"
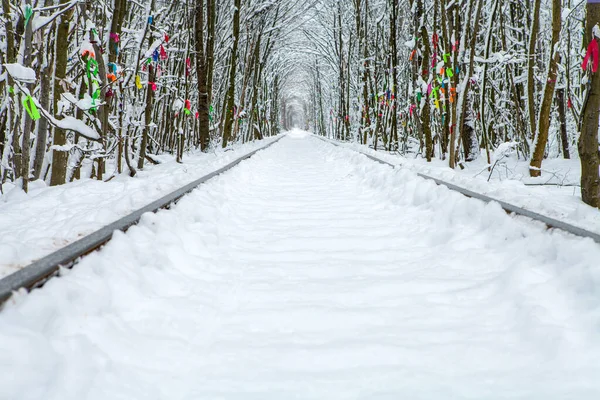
(551, 223)
(38, 272)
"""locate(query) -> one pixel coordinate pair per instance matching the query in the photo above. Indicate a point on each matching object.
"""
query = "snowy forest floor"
(35, 224)
(311, 272)
(555, 194)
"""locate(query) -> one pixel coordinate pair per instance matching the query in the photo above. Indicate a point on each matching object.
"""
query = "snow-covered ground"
(555, 194)
(47, 218)
(311, 272)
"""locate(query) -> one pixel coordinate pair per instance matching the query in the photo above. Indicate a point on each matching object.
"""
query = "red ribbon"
(163, 53)
(592, 51)
(188, 64)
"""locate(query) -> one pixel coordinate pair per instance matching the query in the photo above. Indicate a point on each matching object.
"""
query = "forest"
(99, 88)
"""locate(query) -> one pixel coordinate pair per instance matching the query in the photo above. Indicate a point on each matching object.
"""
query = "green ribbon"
(31, 108)
(28, 14)
(446, 57)
(95, 96)
(91, 61)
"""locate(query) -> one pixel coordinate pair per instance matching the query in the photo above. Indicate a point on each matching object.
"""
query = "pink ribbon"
(412, 108)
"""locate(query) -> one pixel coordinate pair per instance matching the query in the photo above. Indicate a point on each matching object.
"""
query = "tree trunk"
(230, 103)
(147, 112)
(535, 23)
(467, 133)
(59, 157)
(28, 122)
(486, 55)
(454, 84)
(544, 117)
(211, 11)
(201, 72)
(564, 139)
(426, 113)
(394, 73)
(42, 130)
(588, 141)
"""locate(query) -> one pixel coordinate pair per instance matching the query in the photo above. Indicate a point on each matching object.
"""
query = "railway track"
(551, 223)
(37, 273)
(312, 270)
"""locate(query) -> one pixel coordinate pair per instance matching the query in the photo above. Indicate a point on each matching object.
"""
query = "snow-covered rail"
(38, 272)
(551, 223)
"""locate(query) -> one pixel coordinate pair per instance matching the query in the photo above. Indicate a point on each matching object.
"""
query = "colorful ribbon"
(592, 52)
(92, 62)
(188, 68)
(412, 108)
(28, 14)
(95, 96)
(31, 108)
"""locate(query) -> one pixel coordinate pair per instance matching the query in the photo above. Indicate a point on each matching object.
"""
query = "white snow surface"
(34, 225)
(509, 182)
(311, 272)
(20, 73)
